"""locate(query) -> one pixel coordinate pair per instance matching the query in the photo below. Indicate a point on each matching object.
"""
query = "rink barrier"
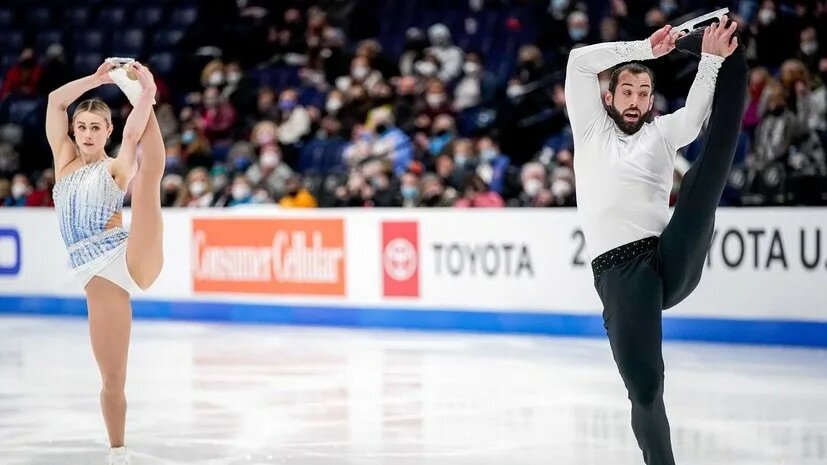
(768, 332)
(523, 271)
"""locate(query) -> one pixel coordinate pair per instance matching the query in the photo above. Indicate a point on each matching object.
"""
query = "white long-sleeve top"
(624, 181)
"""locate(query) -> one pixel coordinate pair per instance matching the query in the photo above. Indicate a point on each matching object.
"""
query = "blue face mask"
(438, 143)
(668, 7)
(578, 33)
(460, 160)
(559, 5)
(173, 162)
(409, 192)
(241, 163)
(488, 155)
(287, 105)
(188, 136)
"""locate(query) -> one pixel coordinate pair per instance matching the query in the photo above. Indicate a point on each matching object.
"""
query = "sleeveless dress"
(85, 200)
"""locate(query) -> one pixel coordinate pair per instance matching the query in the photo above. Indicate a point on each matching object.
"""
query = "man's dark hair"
(634, 68)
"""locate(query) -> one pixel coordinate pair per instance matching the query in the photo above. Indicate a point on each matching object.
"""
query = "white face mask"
(359, 72)
(766, 16)
(241, 191)
(425, 68)
(269, 160)
(514, 90)
(434, 100)
(197, 188)
(19, 190)
(561, 188)
(471, 68)
(216, 78)
(233, 77)
(809, 48)
(532, 187)
(261, 197)
(333, 105)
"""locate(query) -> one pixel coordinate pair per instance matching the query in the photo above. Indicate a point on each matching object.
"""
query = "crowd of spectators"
(332, 104)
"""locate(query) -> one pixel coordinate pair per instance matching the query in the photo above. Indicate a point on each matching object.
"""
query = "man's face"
(631, 102)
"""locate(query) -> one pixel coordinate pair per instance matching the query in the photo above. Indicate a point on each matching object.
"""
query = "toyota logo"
(399, 259)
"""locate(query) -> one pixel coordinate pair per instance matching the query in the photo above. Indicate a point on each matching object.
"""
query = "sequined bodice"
(85, 201)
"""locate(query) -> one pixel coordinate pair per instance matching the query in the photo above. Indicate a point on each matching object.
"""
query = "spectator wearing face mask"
(443, 132)
(493, 165)
(434, 193)
(776, 36)
(535, 191)
(579, 29)
(436, 101)
(240, 158)
(429, 67)
(20, 190)
(294, 124)
(406, 102)
(199, 190)
(361, 73)
(294, 121)
(465, 158)
(172, 190)
(409, 189)
(213, 74)
(241, 191)
(195, 147)
(269, 171)
(808, 51)
(412, 51)
(392, 144)
(775, 132)
(240, 90)
(23, 77)
(449, 55)
(476, 87)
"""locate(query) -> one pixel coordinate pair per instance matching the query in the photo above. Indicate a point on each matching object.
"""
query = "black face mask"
(381, 128)
(431, 200)
(777, 111)
(169, 198)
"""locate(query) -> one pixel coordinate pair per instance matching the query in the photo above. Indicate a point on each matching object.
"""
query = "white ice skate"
(700, 21)
(118, 456)
(124, 79)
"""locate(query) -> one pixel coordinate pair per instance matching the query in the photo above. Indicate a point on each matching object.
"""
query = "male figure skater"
(624, 160)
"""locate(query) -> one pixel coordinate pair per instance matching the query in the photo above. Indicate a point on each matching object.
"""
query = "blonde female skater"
(110, 262)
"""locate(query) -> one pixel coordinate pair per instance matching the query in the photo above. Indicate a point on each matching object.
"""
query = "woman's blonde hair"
(95, 106)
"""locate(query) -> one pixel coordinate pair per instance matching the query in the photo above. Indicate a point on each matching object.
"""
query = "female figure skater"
(110, 262)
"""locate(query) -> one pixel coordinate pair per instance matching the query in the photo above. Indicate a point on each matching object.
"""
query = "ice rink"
(228, 394)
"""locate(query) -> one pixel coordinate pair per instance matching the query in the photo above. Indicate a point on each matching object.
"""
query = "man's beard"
(629, 127)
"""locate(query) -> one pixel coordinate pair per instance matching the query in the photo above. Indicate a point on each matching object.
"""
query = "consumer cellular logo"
(10, 252)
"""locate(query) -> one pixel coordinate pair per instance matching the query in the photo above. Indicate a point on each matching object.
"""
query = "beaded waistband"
(97, 238)
(607, 260)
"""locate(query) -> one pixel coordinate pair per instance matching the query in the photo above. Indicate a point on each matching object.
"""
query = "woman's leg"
(144, 251)
(110, 321)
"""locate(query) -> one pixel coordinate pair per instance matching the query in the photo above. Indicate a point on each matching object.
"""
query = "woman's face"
(91, 131)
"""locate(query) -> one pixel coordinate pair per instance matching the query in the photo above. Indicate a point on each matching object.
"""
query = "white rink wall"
(504, 270)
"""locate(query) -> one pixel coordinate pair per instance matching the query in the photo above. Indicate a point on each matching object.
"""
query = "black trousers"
(657, 273)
